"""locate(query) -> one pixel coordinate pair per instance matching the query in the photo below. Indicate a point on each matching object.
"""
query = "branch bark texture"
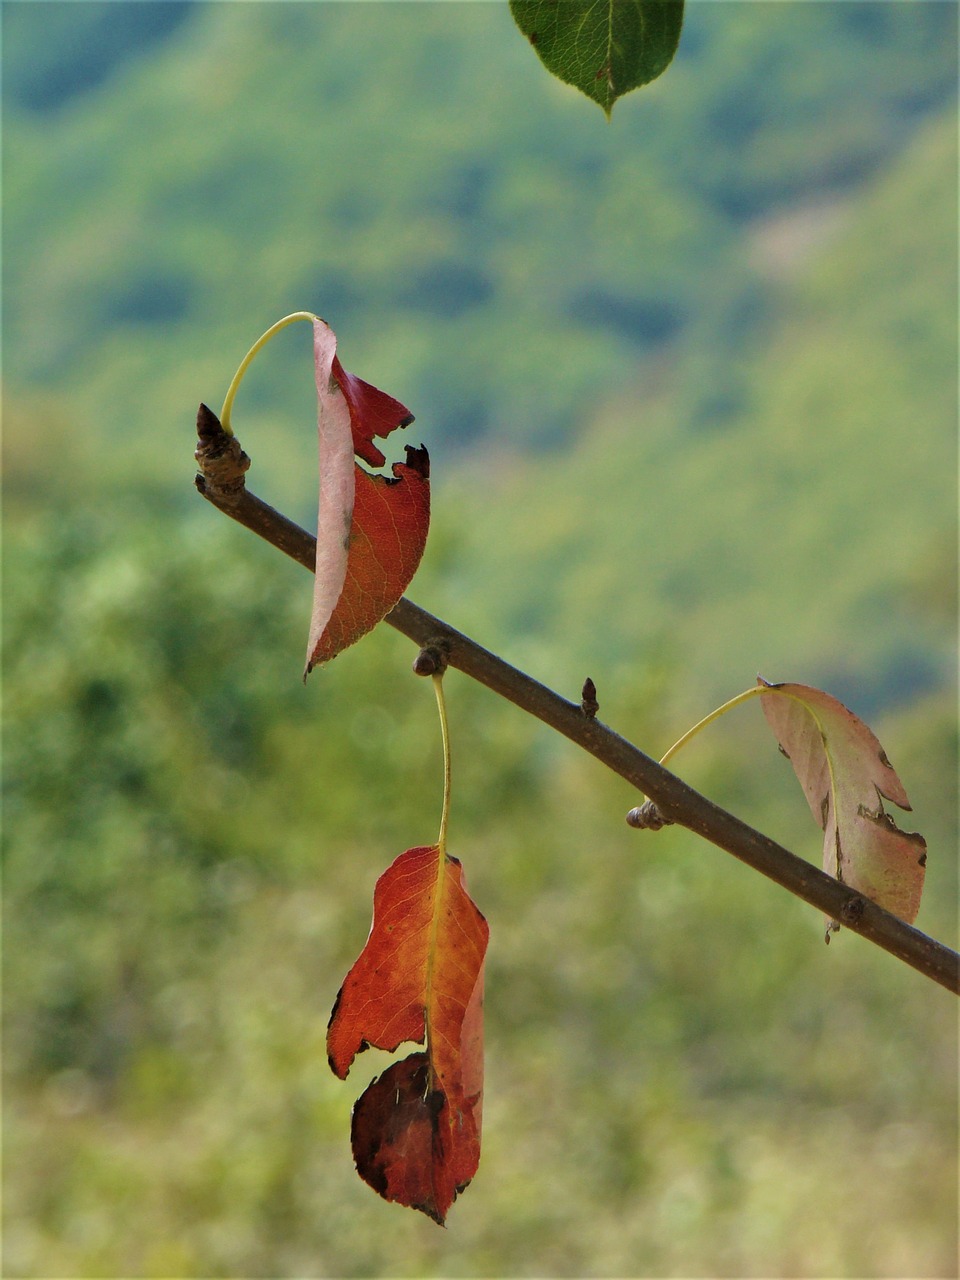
(221, 480)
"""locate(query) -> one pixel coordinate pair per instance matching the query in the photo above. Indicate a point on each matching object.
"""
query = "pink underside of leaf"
(893, 873)
(845, 777)
(371, 530)
(337, 485)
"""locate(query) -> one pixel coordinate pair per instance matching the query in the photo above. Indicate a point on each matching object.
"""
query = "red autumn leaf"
(416, 1129)
(371, 529)
(846, 777)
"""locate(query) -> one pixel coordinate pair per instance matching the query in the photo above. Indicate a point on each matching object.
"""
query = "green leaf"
(604, 48)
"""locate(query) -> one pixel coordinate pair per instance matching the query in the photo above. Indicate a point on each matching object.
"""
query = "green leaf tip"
(604, 48)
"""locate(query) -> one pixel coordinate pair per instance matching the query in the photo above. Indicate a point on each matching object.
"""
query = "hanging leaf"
(416, 1129)
(604, 49)
(846, 777)
(371, 529)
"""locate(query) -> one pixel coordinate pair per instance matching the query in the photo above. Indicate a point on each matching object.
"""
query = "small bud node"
(588, 699)
(432, 658)
(648, 817)
(851, 911)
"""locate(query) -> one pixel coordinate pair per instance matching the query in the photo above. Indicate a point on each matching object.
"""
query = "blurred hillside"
(785, 501)
(484, 246)
(689, 384)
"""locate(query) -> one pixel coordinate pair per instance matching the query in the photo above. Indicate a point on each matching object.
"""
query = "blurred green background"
(688, 381)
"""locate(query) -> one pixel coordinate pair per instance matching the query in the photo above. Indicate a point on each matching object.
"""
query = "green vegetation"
(485, 247)
(688, 381)
(192, 846)
(786, 504)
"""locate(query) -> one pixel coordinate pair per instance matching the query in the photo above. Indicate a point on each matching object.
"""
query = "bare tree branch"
(221, 481)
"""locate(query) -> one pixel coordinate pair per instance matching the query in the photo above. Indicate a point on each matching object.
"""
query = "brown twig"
(221, 481)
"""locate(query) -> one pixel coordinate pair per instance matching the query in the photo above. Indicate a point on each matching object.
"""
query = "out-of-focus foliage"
(690, 1082)
(484, 247)
(71, 49)
(784, 503)
(675, 1063)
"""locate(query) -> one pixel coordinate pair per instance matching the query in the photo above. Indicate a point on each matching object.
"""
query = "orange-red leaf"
(371, 529)
(846, 777)
(416, 1130)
